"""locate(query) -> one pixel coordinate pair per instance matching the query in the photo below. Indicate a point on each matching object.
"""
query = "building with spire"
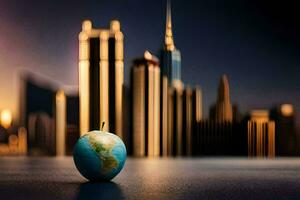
(223, 109)
(170, 56)
(171, 88)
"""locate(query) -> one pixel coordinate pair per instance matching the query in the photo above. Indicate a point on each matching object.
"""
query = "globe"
(99, 155)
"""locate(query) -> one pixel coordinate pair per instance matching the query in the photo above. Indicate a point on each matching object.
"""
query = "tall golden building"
(164, 128)
(60, 123)
(101, 75)
(197, 104)
(223, 112)
(261, 135)
(146, 106)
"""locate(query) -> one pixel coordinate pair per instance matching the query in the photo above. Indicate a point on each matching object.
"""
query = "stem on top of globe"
(102, 126)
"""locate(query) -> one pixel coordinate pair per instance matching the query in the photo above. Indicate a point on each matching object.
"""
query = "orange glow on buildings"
(261, 135)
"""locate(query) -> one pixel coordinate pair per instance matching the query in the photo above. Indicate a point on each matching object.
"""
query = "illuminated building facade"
(192, 114)
(60, 123)
(146, 106)
(261, 135)
(171, 93)
(164, 108)
(101, 75)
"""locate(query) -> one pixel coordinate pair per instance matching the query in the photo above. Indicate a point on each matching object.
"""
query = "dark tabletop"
(57, 178)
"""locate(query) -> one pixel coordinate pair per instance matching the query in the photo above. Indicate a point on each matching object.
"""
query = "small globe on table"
(99, 155)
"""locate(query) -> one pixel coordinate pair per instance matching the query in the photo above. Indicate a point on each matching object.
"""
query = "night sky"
(256, 43)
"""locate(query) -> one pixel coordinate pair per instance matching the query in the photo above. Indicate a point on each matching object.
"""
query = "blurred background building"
(101, 76)
(261, 134)
(191, 116)
(146, 106)
(171, 89)
(50, 114)
(222, 111)
(221, 134)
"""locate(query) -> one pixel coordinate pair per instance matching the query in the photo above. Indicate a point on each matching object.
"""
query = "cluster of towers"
(157, 115)
(164, 114)
(163, 111)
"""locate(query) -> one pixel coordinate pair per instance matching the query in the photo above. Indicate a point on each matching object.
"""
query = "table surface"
(206, 178)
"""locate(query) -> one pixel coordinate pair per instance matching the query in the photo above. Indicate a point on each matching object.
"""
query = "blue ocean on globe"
(99, 156)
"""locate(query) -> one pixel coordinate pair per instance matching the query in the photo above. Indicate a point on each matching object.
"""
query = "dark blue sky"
(255, 42)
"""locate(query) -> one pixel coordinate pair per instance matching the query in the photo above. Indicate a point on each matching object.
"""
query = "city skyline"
(169, 99)
(164, 113)
(250, 90)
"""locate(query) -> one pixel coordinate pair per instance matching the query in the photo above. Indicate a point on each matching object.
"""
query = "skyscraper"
(191, 115)
(101, 74)
(223, 109)
(146, 106)
(175, 121)
(170, 58)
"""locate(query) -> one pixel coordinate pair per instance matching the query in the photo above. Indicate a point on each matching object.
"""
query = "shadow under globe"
(101, 190)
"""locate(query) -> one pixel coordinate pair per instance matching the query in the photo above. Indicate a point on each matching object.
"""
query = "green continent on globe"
(103, 146)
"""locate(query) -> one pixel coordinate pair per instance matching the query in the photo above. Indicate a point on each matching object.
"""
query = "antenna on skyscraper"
(169, 42)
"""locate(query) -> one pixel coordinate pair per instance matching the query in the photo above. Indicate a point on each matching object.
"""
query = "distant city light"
(6, 118)
(287, 110)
